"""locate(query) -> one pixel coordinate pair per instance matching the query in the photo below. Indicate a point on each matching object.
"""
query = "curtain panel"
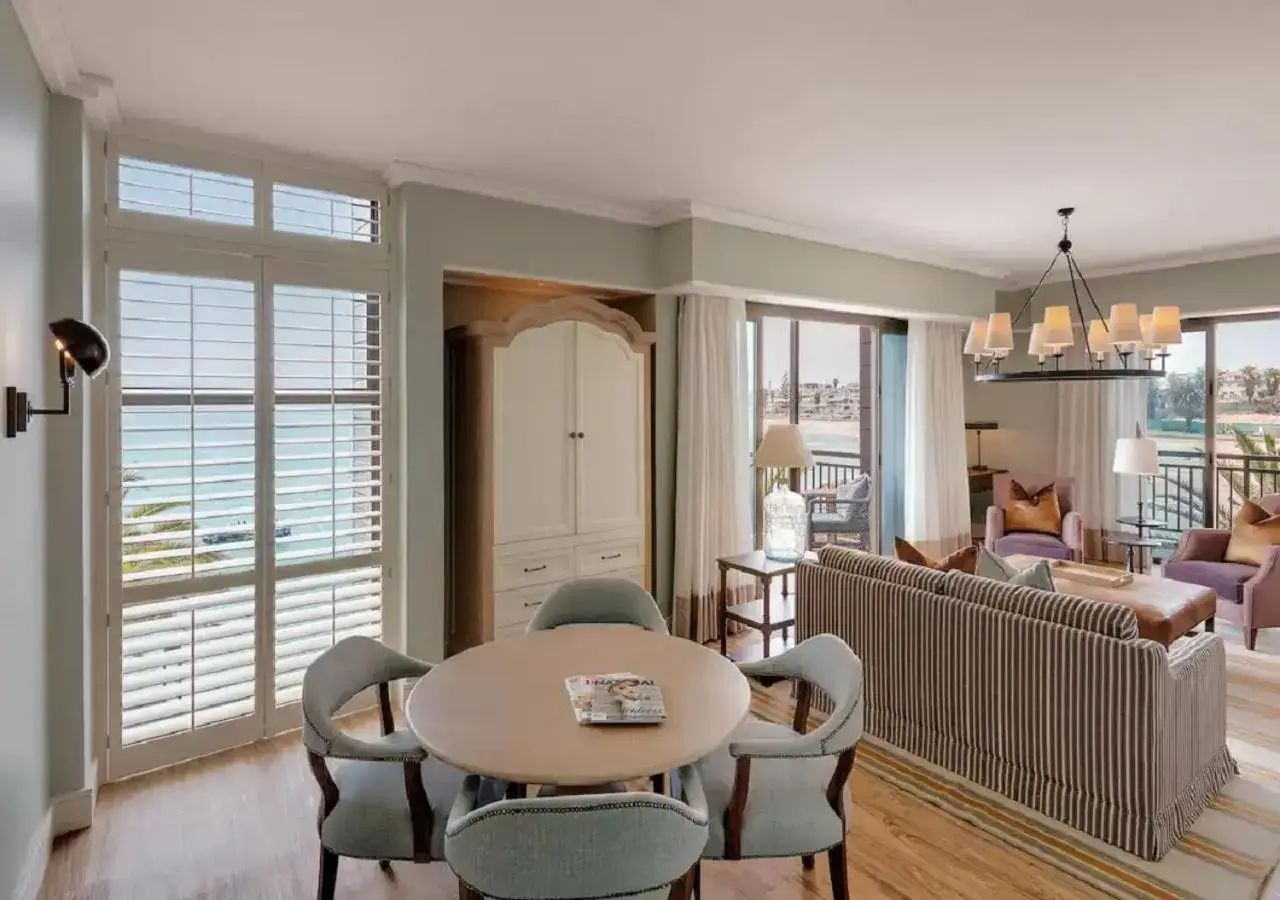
(713, 473)
(937, 476)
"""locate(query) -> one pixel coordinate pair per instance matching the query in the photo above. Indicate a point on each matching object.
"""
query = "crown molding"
(57, 61)
(1026, 280)
(400, 172)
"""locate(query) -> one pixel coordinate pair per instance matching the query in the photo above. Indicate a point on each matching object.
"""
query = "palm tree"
(1185, 395)
(175, 534)
(1250, 380)
(1271, 388)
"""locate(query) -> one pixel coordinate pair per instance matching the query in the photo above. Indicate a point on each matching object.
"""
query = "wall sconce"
(76, 343)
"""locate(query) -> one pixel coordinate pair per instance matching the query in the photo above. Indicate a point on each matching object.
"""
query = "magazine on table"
(620, 698)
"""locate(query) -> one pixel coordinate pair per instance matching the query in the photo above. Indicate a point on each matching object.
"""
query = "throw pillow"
(1255, 531)
(997, 568)
(963, 560)
(1038, 512)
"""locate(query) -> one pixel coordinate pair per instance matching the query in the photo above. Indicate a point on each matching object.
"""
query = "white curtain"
(1091, 416)
(713, 483)
(937, 483)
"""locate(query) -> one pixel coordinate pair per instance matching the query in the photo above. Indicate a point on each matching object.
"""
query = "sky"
(1240, 344)
(827, 350)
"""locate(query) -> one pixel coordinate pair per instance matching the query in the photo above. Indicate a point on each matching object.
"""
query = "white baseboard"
(72, 811)
(33, 865)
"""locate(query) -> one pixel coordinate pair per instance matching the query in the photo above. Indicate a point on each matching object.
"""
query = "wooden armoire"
(549, 460)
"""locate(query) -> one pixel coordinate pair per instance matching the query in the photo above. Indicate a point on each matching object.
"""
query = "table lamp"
(786, 519)
(1137, 456)
(980, 427)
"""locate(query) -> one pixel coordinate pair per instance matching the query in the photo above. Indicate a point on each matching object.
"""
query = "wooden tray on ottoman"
(1087, 574)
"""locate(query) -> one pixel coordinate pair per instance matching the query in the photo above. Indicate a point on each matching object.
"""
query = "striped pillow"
(881, 568)
(1110, 619)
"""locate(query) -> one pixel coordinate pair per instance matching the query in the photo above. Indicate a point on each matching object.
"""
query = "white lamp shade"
(1036, 345)
(1125, 327)
(1136, 456)
(999, 333)
(1166, 326)
(1056, 332)
(783, 447)
(1099, 337)
(975, 344)
(1148, 334)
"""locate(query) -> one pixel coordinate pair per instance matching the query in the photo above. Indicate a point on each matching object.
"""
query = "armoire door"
(611, 449)
(533, 427)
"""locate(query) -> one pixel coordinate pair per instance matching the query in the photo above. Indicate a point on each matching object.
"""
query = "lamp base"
(786, 525)
(783, 555)
(17, 411)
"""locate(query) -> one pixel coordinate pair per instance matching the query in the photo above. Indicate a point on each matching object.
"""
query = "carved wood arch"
(579, 308)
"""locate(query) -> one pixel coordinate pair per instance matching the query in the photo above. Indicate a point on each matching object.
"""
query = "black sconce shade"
(78, 344)
(85, 344)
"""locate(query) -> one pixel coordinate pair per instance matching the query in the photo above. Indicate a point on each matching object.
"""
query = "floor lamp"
(1137, 456)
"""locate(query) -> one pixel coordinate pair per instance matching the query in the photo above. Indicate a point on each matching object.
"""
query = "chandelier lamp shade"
(1138, 341)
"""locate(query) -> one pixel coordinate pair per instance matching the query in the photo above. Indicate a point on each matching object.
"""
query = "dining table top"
(501, 709)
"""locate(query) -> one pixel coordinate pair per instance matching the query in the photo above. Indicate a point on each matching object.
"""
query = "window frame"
(131, 240)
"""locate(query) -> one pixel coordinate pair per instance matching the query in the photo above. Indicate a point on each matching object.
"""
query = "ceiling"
(927, 129)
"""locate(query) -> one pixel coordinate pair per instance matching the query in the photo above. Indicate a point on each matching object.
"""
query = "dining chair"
(572, 847)
(384, 799)
(774, 791)
(599, 601)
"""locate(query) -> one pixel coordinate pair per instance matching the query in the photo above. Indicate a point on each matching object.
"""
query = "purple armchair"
(1067, 545)
(1248, 596)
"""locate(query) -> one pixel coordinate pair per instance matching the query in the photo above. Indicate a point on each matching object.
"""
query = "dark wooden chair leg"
(682, 887)
(697, 879)
(1209, 625)
(839, 872)
(466, 892)
(328, 875)
(659, 782)
(516, 790)
(1250, 638)
(808, 862)
(385, 866)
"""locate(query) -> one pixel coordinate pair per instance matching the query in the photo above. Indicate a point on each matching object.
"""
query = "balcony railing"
(1179, 497)
(830, 469)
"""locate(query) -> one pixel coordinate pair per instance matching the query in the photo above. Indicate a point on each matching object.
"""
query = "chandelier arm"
(1053, 262)
(1079, 310)
(1085, 282)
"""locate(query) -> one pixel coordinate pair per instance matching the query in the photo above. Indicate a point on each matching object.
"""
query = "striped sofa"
(1048, 699)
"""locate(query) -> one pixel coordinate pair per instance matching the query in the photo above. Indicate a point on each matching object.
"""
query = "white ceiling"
(929, 129)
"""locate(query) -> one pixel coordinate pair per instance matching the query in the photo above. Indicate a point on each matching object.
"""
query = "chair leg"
(659, 782)
(516, 790)
(328, 875)
(385, 866)
(697, 880)
(808, 862)
(1250, 638)
(839, 872)
(682, 887)
(466, 892)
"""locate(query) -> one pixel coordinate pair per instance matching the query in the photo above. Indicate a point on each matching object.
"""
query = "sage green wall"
(24, 362)
(68, 460)
(773, 264)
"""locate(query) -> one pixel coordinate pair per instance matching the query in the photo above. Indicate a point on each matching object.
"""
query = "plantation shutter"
(185, 347)
(328, 442)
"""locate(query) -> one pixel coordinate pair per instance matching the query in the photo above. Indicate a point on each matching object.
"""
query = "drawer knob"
(530, 604)
(612, 556)
(535, 568)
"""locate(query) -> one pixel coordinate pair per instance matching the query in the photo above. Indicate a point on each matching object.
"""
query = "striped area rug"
(1229, 854)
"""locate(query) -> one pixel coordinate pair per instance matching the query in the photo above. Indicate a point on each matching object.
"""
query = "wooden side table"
(767, 615)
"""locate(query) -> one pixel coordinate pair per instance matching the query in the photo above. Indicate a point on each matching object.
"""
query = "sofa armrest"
(1262, 592)
(995, 527)
(1196, 730)
(1201, 544)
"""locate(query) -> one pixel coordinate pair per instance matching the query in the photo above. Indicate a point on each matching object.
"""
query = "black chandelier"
(1140, 342)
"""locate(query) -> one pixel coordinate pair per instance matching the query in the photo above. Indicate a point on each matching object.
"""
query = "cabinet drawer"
(516, 608)
(610, 556)
(516, 567)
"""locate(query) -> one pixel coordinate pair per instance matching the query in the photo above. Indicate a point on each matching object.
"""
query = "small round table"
(1135, 549)
(501, 709)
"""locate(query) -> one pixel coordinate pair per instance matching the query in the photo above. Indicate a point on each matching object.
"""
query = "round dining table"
(501, 709)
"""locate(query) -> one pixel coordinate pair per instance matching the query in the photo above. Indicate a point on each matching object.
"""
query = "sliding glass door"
(1219, 435)
(820, 375)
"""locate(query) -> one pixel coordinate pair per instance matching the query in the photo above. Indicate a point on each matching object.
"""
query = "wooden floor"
(241, 826)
